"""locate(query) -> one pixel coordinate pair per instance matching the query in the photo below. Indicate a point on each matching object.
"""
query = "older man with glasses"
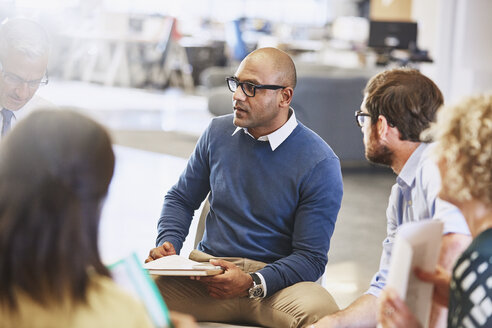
(24, 50)
(275, 192)
(398, 105)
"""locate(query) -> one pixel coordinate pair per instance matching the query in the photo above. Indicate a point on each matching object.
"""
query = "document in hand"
(175, 265)
(417, 244)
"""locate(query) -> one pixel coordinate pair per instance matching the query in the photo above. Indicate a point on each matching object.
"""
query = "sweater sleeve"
(319, 203)
(185, 196)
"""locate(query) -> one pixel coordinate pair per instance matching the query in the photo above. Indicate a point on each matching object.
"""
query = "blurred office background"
(153, 72)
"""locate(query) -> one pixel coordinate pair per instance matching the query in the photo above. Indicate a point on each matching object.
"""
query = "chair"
(219, 101)
(173, 67)
(214, 76)
(200, 229)
(326, 104)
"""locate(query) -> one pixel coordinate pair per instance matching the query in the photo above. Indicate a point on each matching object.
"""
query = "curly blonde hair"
(464, 136)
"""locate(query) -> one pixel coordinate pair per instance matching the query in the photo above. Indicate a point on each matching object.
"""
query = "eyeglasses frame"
(254, 86)
(43, 81)
(359, 113)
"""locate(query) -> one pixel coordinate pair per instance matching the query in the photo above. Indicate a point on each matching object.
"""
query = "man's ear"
(383, 127)
(385, 130)
(286, 96)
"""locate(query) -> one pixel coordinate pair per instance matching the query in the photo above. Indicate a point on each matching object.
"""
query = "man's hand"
(441, 280)
(393, 312)
(181, 320)
(232, 283)
(325, 322)
(165, 249)
(360, 314)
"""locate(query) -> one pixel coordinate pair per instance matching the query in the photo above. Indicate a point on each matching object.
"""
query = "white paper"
(175, 265)
(172, 261)
(417, 244)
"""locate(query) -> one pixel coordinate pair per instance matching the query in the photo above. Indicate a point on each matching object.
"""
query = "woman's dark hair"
(55, 169)
(408, 99)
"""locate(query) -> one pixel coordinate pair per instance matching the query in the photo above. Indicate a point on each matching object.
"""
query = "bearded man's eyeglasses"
(360, 118)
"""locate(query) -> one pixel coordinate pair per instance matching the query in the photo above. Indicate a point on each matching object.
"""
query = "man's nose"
(239, 94)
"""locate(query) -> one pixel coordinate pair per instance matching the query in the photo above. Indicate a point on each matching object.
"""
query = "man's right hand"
(165, 249)
(393, 312)
(181, 320)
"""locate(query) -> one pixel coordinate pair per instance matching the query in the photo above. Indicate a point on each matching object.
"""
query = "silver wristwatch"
(257, 290)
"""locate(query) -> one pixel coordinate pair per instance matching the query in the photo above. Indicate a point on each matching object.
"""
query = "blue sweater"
(277, 207)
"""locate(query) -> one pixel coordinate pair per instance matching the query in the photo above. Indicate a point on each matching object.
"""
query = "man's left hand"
(232, 283)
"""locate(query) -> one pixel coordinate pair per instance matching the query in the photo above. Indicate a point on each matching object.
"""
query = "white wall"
(458, 34)
(424, 13)
(472, 48)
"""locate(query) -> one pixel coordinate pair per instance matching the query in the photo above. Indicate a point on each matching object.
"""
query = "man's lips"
(239, 109)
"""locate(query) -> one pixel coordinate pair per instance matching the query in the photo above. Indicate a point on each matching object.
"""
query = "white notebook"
(175, 265)
(417, 244)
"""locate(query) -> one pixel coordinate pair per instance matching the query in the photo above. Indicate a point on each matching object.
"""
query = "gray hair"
(25, 36)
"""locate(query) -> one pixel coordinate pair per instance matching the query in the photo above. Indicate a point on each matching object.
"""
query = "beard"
(377, 153)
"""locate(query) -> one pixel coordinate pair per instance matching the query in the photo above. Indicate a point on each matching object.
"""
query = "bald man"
(275, 192)
(24, 48)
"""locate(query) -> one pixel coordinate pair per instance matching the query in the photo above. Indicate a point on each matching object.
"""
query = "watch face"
(256, 291)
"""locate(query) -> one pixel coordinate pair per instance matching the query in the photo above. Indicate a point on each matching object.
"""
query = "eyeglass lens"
(361, 118)
(232, 84)
(14, 80)
(248, 88)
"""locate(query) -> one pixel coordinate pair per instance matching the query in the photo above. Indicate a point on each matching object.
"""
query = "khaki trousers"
(295, 306)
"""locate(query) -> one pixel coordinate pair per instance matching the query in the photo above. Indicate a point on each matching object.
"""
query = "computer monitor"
(392, 35)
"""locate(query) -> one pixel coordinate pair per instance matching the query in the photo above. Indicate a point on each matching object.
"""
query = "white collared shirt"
(278, 136)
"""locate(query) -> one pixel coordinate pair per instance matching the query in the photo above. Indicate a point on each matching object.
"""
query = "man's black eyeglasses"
(360, 117)
(249, 88)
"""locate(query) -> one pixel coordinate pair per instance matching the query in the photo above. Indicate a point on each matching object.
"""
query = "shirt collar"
(278, 136)
(409, 170)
